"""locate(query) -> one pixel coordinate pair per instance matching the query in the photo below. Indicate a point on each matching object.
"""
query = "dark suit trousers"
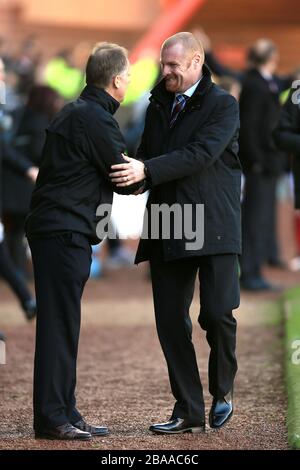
(61, 268)
(173, 288)
(258, 224)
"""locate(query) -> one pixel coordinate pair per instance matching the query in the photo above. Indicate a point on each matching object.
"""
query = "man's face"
(123, 81)
(274, 61)
(180, 68)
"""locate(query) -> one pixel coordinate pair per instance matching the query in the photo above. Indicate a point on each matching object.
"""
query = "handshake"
(126, 174)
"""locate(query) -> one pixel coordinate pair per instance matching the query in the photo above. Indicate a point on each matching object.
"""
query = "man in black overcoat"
(188, 158)
(262, 164)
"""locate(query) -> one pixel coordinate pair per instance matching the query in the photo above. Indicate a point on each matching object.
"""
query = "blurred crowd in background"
(35, 91)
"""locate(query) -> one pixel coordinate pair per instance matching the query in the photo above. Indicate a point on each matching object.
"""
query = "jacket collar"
(160, 93)
(100, 96)
(255, 72)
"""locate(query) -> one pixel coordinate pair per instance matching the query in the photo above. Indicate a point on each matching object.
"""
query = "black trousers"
(12, 277)
(258, 224)
(173, 288)
(14, 231)
(61, 268)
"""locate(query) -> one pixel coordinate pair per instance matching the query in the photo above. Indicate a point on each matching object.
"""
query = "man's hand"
(32, 173)
(129, 173)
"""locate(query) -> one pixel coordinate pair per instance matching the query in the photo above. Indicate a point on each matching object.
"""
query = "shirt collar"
(266, 75)
(190, 91)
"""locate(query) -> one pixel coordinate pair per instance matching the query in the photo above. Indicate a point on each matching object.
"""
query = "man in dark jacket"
(21, 166)
(189, 159)
(82, 142)
(287, 136)
(262, 164)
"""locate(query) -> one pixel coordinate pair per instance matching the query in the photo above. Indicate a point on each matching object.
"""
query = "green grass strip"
(291, 309)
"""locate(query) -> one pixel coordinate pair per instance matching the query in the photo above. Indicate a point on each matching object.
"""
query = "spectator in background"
(16, 283)
(285, 97)
(26, 62)
(13, 99)
(231, 85)
(273, 256)
(3, 49)
(221, 70)
(63, 74)
(24, 167)
(262, 163)
(287, 136)
(42, 104)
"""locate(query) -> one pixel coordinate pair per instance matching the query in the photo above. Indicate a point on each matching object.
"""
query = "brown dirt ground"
(122, 377)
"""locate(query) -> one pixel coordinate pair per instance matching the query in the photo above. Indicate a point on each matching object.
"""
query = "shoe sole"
(182, 431)
(54, 438)
(100, 434)
(225, 422)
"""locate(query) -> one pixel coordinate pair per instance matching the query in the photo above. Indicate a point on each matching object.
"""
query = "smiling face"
(181, 68)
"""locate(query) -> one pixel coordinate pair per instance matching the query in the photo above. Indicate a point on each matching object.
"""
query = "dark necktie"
(273, 87)
(179, 105)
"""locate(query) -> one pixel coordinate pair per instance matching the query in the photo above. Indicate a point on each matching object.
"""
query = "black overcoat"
(195, 162)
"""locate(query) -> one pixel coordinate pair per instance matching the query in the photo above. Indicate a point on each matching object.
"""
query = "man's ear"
(197, 59)
(116, 81)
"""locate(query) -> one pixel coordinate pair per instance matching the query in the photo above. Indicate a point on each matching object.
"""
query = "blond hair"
(188, 41)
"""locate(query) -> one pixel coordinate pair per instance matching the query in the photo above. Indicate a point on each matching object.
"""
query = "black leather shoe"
(221, 411)
(178, 426)
(63, 432)
(93, 430)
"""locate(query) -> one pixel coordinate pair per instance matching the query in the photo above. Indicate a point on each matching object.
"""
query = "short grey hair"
(105, 62)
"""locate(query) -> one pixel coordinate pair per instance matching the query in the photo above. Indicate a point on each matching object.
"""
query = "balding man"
(188, 157)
